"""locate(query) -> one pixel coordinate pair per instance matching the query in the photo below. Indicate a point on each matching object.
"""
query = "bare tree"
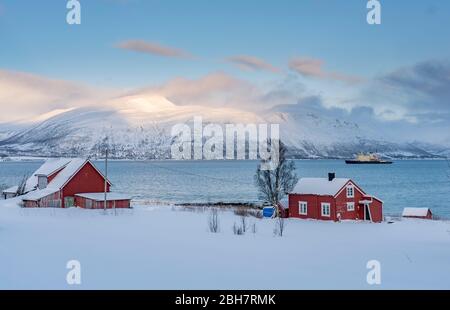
(237, 229)
(279, 226)
(274, 184)
(21, 189)
(244, 223)
(254, 228)
(213, 222)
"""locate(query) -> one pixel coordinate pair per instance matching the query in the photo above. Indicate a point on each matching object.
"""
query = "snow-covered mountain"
(139, 127)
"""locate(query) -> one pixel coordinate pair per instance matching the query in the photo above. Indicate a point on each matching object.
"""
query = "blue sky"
(35, 37)
(319, 48)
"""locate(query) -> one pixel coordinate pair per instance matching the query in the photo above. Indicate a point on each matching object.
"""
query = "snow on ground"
(168, 248)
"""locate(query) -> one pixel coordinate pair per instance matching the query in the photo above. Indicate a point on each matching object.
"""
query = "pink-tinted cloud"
(217, 89)
(251, 63)
(153, 48)
(311, 67)
(24, 95)
(221, 90)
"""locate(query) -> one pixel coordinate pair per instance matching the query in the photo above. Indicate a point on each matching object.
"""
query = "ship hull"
(368, 162)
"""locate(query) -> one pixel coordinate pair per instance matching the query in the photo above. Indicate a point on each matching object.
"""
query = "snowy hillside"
(138, 127)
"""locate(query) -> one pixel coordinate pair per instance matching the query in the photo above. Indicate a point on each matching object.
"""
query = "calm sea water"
(405, 183)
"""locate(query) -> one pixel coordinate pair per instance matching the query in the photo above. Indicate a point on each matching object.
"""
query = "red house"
(333, 199)
(58, 181)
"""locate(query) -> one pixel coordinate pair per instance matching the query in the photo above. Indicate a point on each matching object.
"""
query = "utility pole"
(106, 177)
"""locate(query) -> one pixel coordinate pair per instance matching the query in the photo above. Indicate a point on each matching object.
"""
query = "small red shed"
(283, 208)
(333, 199)
(419, 213)
(97, 201)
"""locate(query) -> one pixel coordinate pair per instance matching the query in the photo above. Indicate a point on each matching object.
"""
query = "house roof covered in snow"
(101, 196)
(415, 211)
(319, 186)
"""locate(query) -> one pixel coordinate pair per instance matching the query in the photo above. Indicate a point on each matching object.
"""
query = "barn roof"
(319, 186)
(415, 211)
(39, 194)
(49, 167)
(101, 196)
(68, 172)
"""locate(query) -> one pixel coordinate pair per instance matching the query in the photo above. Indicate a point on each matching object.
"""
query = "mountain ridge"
(138, 127)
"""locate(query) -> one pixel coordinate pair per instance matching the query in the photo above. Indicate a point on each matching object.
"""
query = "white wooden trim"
(345, 188)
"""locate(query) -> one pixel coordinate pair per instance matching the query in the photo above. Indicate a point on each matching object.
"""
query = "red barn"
(333, 199)
(57, 182)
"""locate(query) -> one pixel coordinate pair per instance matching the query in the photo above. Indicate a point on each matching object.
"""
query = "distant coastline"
(43, 158)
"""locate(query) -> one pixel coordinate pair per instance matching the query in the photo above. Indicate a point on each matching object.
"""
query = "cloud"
(220, 90)
(24, 95)
(153, 48)
(311, 67)
(251, 63)
(419, 93)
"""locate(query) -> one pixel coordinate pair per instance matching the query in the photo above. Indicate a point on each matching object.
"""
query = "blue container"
(268, 211)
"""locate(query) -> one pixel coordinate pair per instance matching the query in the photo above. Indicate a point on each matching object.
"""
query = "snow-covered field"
(168, 248)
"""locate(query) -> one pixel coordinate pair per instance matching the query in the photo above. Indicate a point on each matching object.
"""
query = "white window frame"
(352, 188)
(322, 205)
(350, 206)
(300, 204)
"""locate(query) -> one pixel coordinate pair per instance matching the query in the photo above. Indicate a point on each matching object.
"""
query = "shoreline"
(27, 159)
(251, 207)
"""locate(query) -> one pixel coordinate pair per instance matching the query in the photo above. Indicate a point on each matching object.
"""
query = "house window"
(326, 209)
(303, 208)
(350, 191)
(350, 206)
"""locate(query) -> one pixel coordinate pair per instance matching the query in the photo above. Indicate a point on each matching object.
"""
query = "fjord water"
(406, 183)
